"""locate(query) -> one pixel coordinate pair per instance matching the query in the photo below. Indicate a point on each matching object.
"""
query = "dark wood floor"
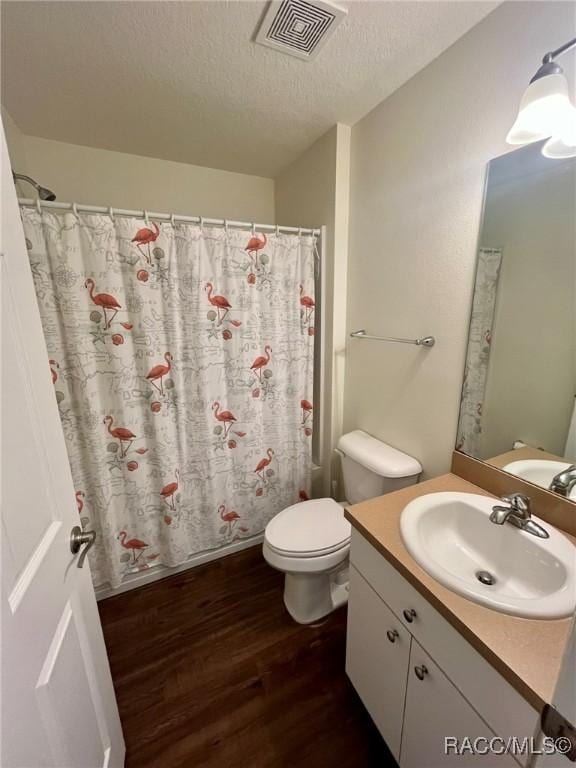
(210, 670)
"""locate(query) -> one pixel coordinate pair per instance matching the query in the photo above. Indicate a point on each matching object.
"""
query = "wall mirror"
(518, 400)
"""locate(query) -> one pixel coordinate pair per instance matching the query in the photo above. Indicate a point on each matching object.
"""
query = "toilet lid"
(317, 525)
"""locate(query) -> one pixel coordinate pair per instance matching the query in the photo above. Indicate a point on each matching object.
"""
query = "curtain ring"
(111, 212)
(201, 222)
(299, 231)
(277, 230)
(75, 209)
(146, 218)
(38, 207)
(226, 226)
(253, 229)
(172, 220)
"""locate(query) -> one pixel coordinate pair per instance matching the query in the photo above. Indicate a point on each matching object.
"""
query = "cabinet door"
(435, 709)
(377, 664)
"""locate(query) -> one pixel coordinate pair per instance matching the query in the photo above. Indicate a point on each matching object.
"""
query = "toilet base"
(309, 597)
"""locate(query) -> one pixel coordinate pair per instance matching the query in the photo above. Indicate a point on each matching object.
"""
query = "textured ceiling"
(183, 80)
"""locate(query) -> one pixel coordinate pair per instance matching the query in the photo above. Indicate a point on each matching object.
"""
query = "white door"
(377, 655)
(58, 704)
(435, 710)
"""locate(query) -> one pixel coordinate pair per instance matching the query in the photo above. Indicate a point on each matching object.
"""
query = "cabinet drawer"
(500, 705)
(435, 709)
(377, 663)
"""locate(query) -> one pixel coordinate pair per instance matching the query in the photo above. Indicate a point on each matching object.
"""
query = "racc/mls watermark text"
(496, 745)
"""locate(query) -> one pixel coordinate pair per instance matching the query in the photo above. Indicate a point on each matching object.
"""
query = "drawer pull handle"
(409, 615)
(392, 634)
(420, 672)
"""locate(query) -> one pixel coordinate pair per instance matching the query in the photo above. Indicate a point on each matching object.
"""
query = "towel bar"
(425, 341)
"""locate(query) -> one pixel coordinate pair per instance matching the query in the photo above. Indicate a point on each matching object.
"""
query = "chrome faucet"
(564, 481)
(517, 512)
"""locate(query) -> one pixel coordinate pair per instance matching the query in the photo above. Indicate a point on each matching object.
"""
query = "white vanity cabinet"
(377, 658)
(434, 709)
(395, 637)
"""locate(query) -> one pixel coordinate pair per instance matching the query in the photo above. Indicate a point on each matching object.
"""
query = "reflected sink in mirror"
(539, 471)
(451, 537)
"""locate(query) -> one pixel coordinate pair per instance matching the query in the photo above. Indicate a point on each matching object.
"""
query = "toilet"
(310, 541)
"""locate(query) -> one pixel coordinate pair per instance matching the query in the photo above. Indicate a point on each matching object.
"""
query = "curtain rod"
(29, 203)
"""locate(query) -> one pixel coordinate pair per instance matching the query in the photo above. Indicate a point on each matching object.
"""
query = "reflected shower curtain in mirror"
(182, 362)
(477, 357)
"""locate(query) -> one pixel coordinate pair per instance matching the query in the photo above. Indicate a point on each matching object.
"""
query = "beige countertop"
(526, 652)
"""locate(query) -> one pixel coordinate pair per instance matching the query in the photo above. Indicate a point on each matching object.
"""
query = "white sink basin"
(450, 535)
(538, 471)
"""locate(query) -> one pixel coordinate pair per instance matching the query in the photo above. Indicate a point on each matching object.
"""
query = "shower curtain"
(182, 363)
(477, 357)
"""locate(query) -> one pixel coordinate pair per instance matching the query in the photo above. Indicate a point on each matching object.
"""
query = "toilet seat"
(314, 553)
(313, 528)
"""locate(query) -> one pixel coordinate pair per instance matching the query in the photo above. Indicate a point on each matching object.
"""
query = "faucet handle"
(519, 503)
(565, 474)
(564, 481)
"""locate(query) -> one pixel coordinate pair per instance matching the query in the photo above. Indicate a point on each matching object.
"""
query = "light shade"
(564, 144)
(545, 110)
(556, 149)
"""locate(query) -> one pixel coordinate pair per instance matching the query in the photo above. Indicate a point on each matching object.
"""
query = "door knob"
(421, 671)
(409, 614)
(392, 634)
(79, 538)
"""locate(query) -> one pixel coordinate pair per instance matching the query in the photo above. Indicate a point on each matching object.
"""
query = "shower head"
(43, 192)
(46, 194)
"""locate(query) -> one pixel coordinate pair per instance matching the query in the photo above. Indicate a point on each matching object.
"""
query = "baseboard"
(161, 571)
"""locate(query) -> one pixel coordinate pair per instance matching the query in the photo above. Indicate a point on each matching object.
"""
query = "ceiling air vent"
(299, 27)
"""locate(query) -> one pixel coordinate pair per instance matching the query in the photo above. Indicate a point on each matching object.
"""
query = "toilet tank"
(372, 468)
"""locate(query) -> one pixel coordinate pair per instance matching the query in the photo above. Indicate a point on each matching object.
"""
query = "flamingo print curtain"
(182, 363)
(478, 355)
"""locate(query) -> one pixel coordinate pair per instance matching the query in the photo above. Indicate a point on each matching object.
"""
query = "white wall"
(100, 177)
(14, 141)
(418, 170)
(312, 192)
(531, 383)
